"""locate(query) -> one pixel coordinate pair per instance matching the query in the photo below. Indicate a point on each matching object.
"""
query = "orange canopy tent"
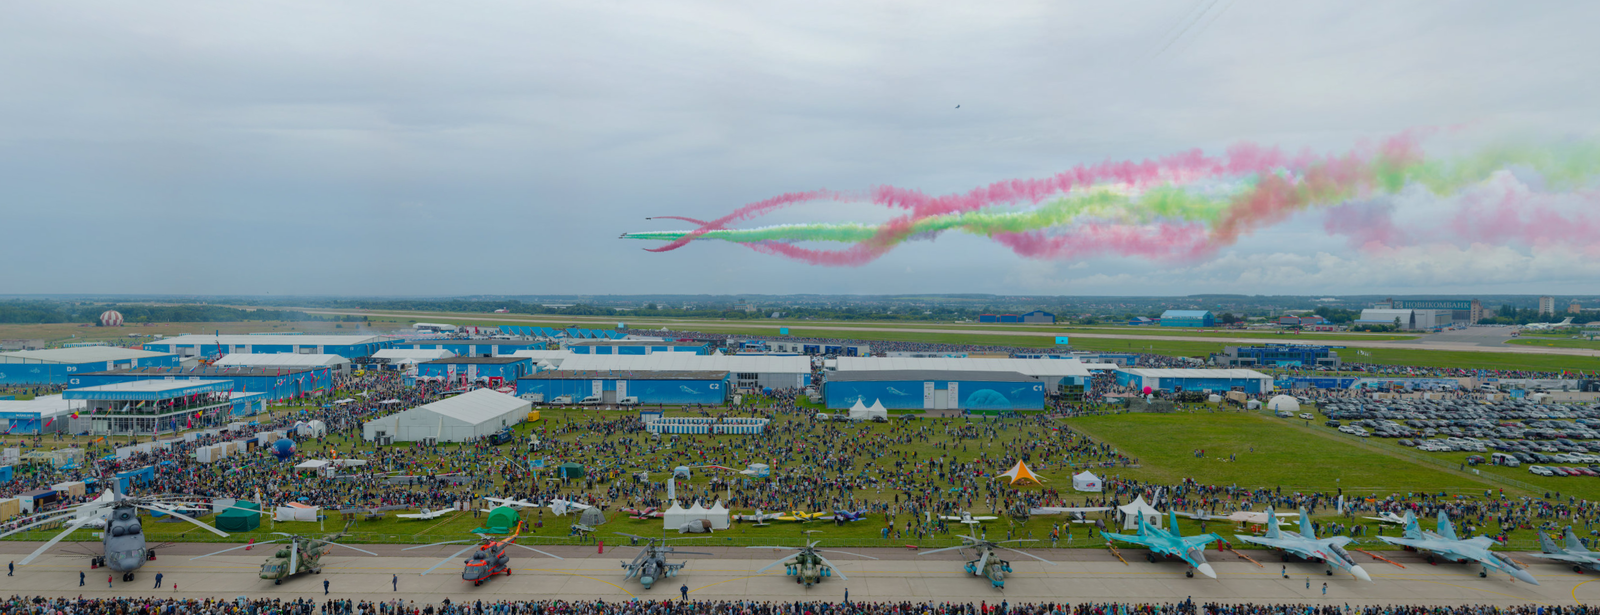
(1020, 473)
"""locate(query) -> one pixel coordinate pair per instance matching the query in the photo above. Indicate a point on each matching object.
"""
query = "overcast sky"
(454, 148)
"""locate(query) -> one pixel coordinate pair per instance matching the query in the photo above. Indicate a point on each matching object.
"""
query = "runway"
(1084, 575)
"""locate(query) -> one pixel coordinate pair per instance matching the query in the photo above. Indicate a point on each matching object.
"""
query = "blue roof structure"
(1184, 314)
(149, 390)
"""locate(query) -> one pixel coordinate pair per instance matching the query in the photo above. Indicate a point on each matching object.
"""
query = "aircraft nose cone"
(1522, 575)
(1205, 569)
(1360, 573)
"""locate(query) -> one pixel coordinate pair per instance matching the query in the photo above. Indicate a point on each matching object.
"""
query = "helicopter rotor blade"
(71, 527)
(265, 542)
(1029, 555)
(941, 550)
(447, 559)
(845, 553)
(335, 544)
(544, 553)
(785, 560)
(447, 542)
(835, 567)
(983, 560)
(38, 523)
(187, 518)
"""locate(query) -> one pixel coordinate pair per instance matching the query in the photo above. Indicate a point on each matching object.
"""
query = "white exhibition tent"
(678, 516)
(861, 412)
(470, 415)
(1132, 510)
(1283, 403)
(1086, 481)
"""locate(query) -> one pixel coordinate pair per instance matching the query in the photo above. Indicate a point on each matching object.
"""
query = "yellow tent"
(1020, 472)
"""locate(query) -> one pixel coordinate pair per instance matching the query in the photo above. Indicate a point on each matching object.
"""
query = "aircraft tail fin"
(1412, 529)
(1305, 526)
(1172, 521)
(1573, 544)
(1545, 544)
(1144, 525)
(1446, 529)
(1272, 525)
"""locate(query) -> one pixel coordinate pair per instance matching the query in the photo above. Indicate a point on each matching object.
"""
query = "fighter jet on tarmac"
(1169, 543)
(1575, 553)
(1444, 543)
(1307, 546)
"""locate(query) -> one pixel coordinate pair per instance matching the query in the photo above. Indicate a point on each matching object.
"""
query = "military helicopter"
(123, 537)
(302, 554)
(651, 564)
(490, 559)
(988, 564)
(809, 566)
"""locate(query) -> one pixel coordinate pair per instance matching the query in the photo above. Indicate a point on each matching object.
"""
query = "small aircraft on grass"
(800, 515)
(968, 518)
(988, 563)
(425, 514)
(1170, 543)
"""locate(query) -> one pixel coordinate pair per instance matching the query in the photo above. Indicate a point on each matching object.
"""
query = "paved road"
(1079, 576)
(1433, 342)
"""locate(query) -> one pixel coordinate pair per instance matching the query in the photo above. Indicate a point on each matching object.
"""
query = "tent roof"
(1020, 472)
(1086, 474)
(474, 407)
(1138, 505)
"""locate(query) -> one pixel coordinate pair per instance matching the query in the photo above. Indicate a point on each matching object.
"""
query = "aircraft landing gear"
(1431, 561)
(1329, 571)
(1482, 574)
(127, 576)
(1578, 569)
(1150, 557)
(277, 581)
(1189, 573)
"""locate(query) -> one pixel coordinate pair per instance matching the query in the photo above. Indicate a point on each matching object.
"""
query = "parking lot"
(1513, 433)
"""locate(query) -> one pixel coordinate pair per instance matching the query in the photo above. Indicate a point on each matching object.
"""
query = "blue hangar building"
(671, 388)
(272, 383)
(347, 346)
(490, 369)
(973, 391)
(636, 347)
(1188, 318)
(60, 365)
(472, 348)
(1214, 380)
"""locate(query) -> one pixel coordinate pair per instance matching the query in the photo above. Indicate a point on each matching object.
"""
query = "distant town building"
(1574, 308)
(1547, 305)
(1284, 355)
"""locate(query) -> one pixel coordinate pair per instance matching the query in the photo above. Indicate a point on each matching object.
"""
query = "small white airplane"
(968, 518)
(1545, 326)
(557, 505)
(1076, 512)
(1388, 518)
(426, 514)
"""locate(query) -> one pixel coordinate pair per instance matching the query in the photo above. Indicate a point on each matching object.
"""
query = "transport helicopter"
(489, 560)
(988, 563)
(808, 566)
(651, 565)
(302, 554)
(123, 538)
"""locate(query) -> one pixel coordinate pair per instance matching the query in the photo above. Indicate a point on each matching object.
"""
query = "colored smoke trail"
(1190, 205)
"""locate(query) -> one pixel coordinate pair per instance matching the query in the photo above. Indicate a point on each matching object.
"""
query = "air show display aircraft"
(1307, 546)
(968, 518)
(1170, 543)
(1443, 543)
(1573, 553)
(988, 563)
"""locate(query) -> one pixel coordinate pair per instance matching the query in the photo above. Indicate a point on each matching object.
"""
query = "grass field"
(68, 332)
(1551, 342)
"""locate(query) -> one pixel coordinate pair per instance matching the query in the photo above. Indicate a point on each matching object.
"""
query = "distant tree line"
(49, 312)
(1512, 315)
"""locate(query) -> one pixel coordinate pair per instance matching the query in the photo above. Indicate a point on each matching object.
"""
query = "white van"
(1502, 459)
(590, 400)
(629, 401)
(562, 400)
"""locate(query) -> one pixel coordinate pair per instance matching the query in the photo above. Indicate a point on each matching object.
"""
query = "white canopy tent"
(1132, 510)
(860, 412)
(1087, 481)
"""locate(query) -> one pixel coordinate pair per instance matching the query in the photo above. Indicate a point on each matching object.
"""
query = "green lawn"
(1564, 342)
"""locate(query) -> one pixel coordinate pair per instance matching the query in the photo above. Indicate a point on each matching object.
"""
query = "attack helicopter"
(302, 554)
(650, 565)
(988, 564)
(123, 536)
(809, 566)
(489, 560)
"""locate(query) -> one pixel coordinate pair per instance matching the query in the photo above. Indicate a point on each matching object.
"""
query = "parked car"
(1306, 416)
(1332, 423)
(1473, 460)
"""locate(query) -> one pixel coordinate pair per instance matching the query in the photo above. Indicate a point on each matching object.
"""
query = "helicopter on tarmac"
(490, 558)
(988, 564)
(809, 566)
(302, 554)
(650, 565)
(123, 537)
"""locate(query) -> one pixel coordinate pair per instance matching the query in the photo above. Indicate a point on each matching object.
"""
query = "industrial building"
(491, 369)
(274, 383)
(399, 358)
(975, 391)
(635, 347)
(339, 365)
(1215, 380)
(748, 371)
(1054, 374)
(1441, 312)
(149, 407)
(544, 359)
(43, 414)
(472, 348)
(819, 348)
(347, 346)
(1277, 355)
(1039, 317)
(469, 416)
(58, 365)
(1188, 318)
(671, 388)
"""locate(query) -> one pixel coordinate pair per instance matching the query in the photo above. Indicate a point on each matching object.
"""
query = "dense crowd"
(17, 605)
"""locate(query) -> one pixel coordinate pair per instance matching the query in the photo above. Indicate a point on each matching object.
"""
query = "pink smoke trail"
(754, 209)
(1162, 241)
